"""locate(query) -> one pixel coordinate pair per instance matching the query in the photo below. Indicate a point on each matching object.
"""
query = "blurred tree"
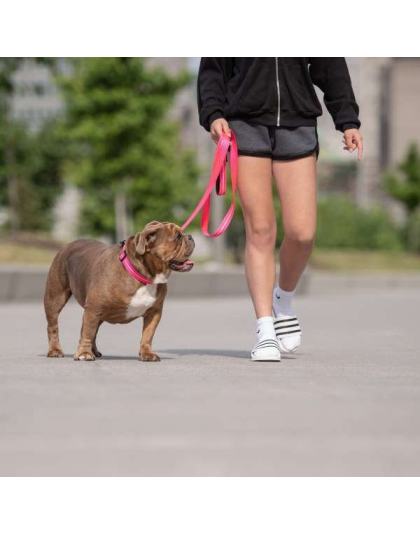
(9, 139)
(341, 224)
(405, 187)
(30, 177)
(126, 155)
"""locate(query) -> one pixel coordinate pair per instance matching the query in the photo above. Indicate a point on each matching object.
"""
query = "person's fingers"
(360, 148)
(349, 141)
(216, 131)
(226, 128)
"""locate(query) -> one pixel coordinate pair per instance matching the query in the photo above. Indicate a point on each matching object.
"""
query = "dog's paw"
(149, 357)
(96, 353)
(55, 353)
(84, 356)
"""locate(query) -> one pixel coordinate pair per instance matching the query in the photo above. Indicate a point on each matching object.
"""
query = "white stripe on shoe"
(267, 350)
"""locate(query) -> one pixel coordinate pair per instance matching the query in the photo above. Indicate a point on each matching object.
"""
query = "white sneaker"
(267, 350)
(288, 332)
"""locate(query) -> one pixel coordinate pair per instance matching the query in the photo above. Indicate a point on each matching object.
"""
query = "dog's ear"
(145, 238)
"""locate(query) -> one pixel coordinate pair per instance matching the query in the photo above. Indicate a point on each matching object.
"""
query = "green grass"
(363, 260)
(11, 253)
(322, 259)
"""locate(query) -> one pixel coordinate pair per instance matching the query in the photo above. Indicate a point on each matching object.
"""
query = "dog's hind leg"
(56, 296)
(57, 293)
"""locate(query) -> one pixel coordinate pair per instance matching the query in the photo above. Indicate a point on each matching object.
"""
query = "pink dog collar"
(130, 268)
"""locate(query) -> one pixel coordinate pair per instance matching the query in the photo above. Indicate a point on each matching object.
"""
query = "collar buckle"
(123, 253)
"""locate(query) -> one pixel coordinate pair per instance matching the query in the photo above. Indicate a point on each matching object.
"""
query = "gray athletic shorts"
(275, 142)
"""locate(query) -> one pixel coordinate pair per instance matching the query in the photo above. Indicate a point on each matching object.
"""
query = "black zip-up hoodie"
(276, 91)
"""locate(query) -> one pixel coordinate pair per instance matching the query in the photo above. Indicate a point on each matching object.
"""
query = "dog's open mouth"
(181, 266)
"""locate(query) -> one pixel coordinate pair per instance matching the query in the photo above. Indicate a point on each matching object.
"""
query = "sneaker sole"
(281, 344)
(286, 350)
(273, 358)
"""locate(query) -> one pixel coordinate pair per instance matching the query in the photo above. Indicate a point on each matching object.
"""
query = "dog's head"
(167, 243)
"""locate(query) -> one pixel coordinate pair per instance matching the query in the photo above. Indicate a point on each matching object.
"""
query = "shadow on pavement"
(212, 352)
(179, 352)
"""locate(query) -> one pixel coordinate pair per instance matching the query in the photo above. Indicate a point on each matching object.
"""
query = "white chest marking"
(142, 299)
(161, 278)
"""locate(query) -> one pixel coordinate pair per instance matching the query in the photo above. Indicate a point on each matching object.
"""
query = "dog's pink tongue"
(187, 265)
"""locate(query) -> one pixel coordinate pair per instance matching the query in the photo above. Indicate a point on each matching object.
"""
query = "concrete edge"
(23, 284)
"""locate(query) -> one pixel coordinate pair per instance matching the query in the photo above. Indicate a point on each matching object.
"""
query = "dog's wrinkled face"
(167, 242)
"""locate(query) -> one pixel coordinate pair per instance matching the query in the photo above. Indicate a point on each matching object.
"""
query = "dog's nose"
(189, 237)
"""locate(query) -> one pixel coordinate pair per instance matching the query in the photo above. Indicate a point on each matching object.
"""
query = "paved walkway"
(347, 404)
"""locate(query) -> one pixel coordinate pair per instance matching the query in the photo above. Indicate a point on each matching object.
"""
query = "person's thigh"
(297, 188)
(255, 193)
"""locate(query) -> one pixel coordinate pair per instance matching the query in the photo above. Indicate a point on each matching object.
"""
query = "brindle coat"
(93, 273)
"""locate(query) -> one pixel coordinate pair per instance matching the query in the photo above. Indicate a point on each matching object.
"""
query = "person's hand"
(352, 140)
(217, 128)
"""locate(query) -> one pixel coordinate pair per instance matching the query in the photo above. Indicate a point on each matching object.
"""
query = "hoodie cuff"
(214, 116)
(349, 126)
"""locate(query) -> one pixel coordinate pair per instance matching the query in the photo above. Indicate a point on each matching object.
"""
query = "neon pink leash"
(130, 268)
(225, 147)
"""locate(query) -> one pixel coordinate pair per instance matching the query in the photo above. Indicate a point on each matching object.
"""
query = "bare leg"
(296, 185)
(54, 303)
(255, 192)
(151, 320)
(90, 327)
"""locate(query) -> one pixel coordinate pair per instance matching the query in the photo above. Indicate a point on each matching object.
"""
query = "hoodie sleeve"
(213, 75)
(331, 75)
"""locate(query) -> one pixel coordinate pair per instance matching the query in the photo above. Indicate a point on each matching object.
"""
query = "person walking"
(272, 107)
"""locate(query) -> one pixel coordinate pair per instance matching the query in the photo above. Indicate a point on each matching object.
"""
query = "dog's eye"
(178, 236)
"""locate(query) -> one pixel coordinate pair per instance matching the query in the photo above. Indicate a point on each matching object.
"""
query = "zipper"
(278, 91)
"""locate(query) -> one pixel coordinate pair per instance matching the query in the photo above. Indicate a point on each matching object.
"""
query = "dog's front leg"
(150, 322)
(90, 325)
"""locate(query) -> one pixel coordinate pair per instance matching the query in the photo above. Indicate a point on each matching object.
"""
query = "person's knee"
(303, 238)
(261, 234)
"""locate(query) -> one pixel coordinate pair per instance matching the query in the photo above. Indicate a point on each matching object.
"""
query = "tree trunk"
(12, 188)
(121, 219)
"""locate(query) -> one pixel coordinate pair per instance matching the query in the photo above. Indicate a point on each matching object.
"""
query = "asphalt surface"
(346, 404)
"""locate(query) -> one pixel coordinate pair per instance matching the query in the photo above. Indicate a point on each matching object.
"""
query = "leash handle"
(225, 147)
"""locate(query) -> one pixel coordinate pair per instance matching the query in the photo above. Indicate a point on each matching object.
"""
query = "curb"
(23, 284)
(324, 282)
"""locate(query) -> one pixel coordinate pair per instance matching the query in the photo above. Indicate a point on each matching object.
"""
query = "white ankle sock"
(282, 302)
(265, 328)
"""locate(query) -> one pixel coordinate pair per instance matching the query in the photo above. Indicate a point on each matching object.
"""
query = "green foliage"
(406, 188)
(8, 65)
(411, 232)
(45, 178)
(30, 177)
(121, 139)
(342, 224)
(35, 165)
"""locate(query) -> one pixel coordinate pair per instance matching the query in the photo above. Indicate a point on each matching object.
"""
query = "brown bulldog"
(95, 275)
